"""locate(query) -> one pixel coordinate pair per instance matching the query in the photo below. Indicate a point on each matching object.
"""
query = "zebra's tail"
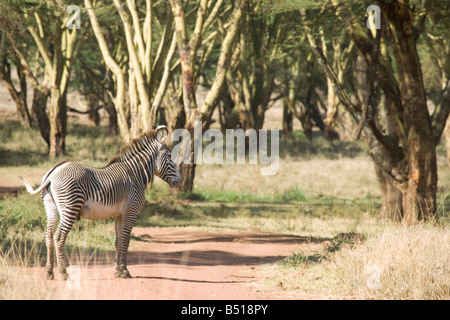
(45, 182)
(30, 188)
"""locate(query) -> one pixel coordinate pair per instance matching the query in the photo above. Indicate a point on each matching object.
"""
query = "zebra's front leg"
(123, 232)
(118, 228)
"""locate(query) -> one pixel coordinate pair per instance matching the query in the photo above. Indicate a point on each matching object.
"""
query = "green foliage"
(295, 194)
(299, 258)
(290, 5)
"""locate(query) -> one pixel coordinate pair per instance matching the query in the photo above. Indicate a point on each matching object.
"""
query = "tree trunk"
(141, 98)
(188, 173)
(58, 118)
(112, 116)
(419, 198)
(287, 119)
(119, 99)
(93, 115)
(187, 48)
(416, 133)
(447, 141)
(39, 110)
(392, 207)
(187, 169)
(384, 162)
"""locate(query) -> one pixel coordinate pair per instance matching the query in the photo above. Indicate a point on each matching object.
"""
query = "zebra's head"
(166, 169)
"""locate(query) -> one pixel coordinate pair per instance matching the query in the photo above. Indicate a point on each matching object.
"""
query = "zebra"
(71, 191)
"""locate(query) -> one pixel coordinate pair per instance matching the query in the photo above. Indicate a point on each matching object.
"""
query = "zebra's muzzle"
(175, 183)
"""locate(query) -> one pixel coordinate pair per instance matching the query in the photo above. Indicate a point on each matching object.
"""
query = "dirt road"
(182, 263)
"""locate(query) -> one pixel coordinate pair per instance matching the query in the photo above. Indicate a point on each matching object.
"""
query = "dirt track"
(183, 263)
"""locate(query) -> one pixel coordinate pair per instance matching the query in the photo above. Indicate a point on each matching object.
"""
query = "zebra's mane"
(134, 146)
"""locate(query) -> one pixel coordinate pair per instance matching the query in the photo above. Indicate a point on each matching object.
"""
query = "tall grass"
(396, 263)
(19, 281)
(14, 283)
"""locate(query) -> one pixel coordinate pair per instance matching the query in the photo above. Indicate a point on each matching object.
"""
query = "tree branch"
(225, 49)
(441, 113)
(41, 47)
(370, 82)
(114, 67)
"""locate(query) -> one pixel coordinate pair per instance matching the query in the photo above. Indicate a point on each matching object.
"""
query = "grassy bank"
(396, 263)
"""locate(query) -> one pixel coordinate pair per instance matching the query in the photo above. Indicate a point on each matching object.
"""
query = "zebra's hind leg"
(65, 225)
(123, 232)
(52, 222)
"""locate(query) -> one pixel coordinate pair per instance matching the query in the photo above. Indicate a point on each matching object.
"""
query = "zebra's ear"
(161, 133)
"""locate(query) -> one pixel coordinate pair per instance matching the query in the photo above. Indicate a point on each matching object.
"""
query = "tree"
(12, 30)
(188, 45)
(113, 66)
(251, 78)
(9, 59)
(403, 146)
(46, 24)
(145, 73)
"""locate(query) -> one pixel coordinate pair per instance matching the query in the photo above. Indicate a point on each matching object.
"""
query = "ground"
(179, 264)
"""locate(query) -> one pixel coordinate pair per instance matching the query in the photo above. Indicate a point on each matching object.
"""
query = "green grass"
(238, 196)
(25, 147)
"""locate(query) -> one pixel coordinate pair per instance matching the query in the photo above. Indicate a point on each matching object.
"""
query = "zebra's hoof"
(124, 273)
(65, 276)
(50, 276)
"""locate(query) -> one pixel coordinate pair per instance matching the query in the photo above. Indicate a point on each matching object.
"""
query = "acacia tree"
(403, 145)
(14, 46)
(143, 77)
(251, 77)
(188, 46)
(46, 24)
(57, 58)
(9, 59)
(435, 37)
(301, 86)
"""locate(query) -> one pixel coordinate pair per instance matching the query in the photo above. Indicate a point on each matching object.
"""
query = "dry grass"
(398, 263)
(345, 178)
(19, 280)
(14, 283)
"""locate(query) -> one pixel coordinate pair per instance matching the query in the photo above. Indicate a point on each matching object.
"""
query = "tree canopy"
(150, 62)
